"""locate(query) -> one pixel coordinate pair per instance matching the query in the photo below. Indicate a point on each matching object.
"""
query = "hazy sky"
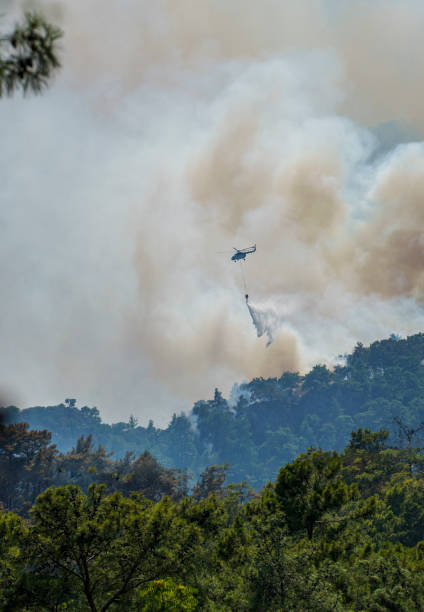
(179, 129)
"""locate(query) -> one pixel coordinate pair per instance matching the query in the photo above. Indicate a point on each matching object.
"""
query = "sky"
(175, 131)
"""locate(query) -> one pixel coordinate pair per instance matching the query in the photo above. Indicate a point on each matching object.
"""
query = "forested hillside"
(267, 422)
(82, 529)
(333, 533)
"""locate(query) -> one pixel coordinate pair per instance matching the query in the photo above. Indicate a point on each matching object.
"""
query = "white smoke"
(193, 420)
(238, 391)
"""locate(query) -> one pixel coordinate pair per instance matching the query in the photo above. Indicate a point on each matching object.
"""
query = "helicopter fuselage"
(238, 255)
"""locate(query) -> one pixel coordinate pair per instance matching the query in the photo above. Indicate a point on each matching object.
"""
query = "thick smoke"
(176, 130)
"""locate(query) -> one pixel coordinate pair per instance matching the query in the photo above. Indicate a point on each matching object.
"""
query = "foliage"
(380, 387)
(28, 55)
(107, 547)
(310, 487)
(211, 481)
(166, 596)
(29, 464)
(337, 530)
(322, 537)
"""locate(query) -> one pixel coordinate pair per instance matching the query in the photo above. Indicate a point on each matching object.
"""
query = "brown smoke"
(392, 242)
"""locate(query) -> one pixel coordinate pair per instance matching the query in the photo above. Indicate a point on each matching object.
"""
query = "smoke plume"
(176, 130)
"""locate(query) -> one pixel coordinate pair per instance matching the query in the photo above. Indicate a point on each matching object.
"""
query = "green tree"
(109, 547)
(211, 481)
(388, 579)
(309, 487)
(371, 464)
(147, 477)
(84, 464)
(29, 55)
(27, 465)
(406, 500)
(13, 532)
(166, 596)
(282, 574)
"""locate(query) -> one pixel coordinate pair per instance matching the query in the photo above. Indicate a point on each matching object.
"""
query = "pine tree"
(28, 55)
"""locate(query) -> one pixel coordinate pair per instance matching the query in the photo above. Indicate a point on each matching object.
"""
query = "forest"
(333, 529)
(332, 532)
(266, 422)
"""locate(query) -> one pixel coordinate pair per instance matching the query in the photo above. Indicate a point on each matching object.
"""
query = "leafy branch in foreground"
(28, 55)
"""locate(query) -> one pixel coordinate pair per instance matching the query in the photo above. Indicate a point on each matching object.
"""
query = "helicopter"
(241, 253)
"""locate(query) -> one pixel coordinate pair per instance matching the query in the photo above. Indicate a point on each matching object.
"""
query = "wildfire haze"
(178, 129)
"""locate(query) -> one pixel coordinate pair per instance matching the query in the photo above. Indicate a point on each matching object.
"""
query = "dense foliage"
(335, 532)
(29, 464)
(267, 422)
